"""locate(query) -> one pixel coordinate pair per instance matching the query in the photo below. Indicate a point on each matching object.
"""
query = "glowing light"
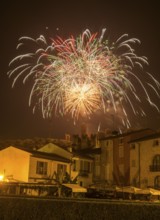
(1, 178)
(82, 75)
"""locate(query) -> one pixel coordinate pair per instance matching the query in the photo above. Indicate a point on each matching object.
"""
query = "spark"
(80, 76)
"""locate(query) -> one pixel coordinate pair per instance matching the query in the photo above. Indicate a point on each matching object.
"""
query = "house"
(47, 164)
(145, 161)
(80, 170)
(17, 164)
(113, 164)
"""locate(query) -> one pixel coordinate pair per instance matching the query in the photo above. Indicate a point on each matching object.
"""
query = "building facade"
(30, 166)
(81, 165)
(114, 161)
(49, 164)
(145, 161)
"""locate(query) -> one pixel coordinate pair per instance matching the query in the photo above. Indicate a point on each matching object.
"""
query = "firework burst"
(82, 75)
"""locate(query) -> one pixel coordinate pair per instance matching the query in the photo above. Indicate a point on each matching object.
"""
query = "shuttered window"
(41, 168)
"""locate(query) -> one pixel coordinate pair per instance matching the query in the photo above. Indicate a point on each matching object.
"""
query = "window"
(67, 137)
(61, 168)
(157, 182)
(41, 168)
(85, 166)
(155, 164)
(156, 143)
(133, 146)
(121, 141)
(156, 161)
(75, 165)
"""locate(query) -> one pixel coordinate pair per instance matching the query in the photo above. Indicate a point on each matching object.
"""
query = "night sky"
(51, 18)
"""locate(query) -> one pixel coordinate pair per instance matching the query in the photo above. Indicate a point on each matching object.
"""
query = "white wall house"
(30, 166)
(14, 164)
(47, 164)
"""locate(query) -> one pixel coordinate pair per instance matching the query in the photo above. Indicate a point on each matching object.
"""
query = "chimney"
(67, 137)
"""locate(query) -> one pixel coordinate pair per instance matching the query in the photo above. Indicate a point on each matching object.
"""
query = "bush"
(75, 209)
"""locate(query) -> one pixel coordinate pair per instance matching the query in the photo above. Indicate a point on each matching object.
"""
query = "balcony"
(83, 173)
(154, 168)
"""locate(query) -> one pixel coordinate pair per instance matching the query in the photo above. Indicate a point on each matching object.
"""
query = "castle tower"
(83, 130)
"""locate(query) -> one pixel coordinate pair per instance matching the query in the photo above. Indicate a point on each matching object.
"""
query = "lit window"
(41, 167)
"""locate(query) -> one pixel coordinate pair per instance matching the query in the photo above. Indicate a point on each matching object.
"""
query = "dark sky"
(32, 18)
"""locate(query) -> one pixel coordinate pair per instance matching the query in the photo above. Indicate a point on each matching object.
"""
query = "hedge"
(15, 208)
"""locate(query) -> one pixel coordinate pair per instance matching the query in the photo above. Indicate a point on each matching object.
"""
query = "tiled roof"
(147, 137)
(49, 156)
(125, 134)
(86, 153)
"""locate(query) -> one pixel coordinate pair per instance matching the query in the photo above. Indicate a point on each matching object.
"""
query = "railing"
(83, 173)
(154, 168)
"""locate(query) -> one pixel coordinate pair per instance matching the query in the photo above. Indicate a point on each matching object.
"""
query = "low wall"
(15, 208)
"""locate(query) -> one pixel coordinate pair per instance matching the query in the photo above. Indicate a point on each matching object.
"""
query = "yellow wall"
(147, 152)
(21, 166)
(14, 162)
(106, 160)
(84, 181)
(51, 168)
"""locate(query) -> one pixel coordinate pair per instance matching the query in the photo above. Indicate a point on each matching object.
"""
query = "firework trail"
(82, 75)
